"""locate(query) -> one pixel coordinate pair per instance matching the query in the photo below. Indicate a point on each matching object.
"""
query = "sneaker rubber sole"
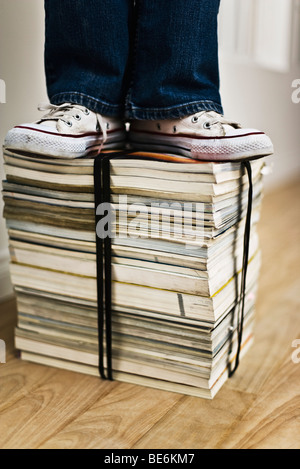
(246, 146)
(63, 146)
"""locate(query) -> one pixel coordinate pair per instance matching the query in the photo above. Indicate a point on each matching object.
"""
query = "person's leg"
(86, 53)
(86, 60)
(174, 102)
(175, 71)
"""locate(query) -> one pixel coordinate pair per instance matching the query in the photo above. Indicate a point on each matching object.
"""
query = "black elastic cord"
(99, 255)
(103, 261)
(107, 269)
(241, 312)
(103, 253)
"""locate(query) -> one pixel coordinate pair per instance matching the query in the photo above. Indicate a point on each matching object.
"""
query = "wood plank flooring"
(258, 408)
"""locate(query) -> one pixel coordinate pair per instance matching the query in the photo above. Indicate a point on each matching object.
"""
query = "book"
(169, 276)
(177, 256)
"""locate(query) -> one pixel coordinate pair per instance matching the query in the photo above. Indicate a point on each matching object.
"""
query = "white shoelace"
(213, 118)
(67, 113)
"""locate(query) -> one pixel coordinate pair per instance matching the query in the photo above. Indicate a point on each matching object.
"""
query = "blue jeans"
(152, 60)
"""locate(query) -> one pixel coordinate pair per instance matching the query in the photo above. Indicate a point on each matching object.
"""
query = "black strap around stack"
(241, 301)
(103, 253)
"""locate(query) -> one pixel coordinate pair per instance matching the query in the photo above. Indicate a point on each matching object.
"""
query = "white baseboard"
(6, 288)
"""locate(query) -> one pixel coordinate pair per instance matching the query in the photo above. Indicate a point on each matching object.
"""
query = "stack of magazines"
(177, 249)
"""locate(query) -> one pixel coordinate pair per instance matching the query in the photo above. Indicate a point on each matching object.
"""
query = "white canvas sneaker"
(205, 135)
(67, 131)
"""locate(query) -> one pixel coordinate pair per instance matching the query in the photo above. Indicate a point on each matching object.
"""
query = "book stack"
(177, 232)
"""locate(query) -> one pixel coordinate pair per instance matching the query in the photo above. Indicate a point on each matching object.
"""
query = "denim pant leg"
(172, 65)
(176, 67)
(86, 53)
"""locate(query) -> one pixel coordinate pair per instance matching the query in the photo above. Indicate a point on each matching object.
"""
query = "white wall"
(255, 95)
(259, 61)
(259, 98)
(21, 67)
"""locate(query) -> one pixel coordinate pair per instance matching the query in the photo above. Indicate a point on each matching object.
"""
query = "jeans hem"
(133, 112)
(174, 112)
(91, 103)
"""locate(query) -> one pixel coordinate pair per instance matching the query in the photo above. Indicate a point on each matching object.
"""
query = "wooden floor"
(259, 407)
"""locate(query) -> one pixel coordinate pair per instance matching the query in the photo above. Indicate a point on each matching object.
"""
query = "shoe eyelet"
(77, 117)
(195, 119)
(69, 123)
(207, 125)
(86, 112)
(174, 129)
(158, 126)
